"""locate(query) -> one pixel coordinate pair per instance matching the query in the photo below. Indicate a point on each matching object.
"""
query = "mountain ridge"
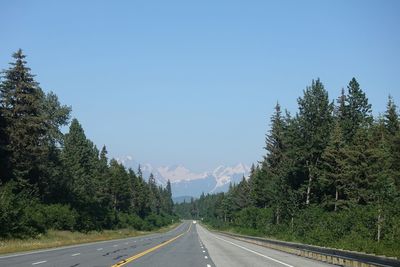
(184, 182)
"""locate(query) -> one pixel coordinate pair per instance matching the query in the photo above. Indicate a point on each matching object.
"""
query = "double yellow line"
(141, 254)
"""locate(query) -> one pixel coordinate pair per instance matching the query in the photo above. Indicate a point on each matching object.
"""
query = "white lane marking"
(252, 251)
(100, 249)
(208, 265)
(80, 245)
(115, 246)
(204, 251)
(76, 254)
(39, 262)
(205, 257)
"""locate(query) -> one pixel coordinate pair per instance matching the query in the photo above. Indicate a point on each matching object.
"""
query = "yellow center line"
(141, 254)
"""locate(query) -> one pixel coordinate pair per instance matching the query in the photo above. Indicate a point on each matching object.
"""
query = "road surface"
(188, 245)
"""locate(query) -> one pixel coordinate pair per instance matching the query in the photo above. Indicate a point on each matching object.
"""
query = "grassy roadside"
(355, 245)
(53, 239)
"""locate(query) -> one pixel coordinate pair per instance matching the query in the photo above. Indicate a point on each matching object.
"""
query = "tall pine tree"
(21, 100)
(274, 163)
(358, 110)
(391, 119)
(333, 178)
(315, 121)
(78, 158)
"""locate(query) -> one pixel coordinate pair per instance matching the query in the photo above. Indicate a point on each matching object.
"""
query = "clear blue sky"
(195, 82)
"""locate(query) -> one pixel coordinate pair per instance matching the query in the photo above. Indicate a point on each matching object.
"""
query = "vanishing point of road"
(188, 245)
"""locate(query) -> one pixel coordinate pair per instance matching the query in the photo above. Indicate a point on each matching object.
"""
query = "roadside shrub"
(21, 215)
(154, 221)
(60, 217)
(126, 220)
(254, 218)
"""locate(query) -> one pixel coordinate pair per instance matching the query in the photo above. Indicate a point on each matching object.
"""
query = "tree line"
(51, 180)
(330, 176)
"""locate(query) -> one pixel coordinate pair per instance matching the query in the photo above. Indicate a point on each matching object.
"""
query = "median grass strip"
(54, 239)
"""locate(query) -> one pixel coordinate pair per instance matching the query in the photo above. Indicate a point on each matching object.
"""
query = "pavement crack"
(120, 256)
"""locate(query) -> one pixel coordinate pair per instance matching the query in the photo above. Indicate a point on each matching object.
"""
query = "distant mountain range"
(186, 183)
(182, 199)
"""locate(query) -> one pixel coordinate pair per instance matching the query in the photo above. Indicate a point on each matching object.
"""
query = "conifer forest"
(52, 180)
(330, 175)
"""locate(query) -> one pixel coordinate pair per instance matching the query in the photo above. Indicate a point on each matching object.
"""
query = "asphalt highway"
(188, 245)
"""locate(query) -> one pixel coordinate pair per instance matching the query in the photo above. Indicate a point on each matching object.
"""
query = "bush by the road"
(353, 229)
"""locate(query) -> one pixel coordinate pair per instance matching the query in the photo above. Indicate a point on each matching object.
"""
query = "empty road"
(188, 245)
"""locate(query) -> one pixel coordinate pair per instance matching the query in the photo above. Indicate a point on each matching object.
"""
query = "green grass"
(352, 243)
(54, 239)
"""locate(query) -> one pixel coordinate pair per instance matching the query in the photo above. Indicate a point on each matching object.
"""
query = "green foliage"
(254, 218)
(49, 180)
(20, 214)
(330, 177)
(60, 217)
(21, 105)
(126, 220)
(315, 124)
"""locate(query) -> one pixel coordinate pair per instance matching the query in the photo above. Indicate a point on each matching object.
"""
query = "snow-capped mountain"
(187, 183)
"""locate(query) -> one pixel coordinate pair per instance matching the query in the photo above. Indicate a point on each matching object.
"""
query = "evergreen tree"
(274, 142)
(142, 195)
(395, 159)
(134, 191)
(120, 187)
(358, 156)
(4, 157)
(155, 204)
(258, 187)
(342, 114)
(392, 123)
(169, 202)
(21, 110)
(315, 121)
(241, 195)
(274, 163)
(392, 133)
(359, 110)
(380, 177)
(78, 157)
(333, 178)
(51, 185)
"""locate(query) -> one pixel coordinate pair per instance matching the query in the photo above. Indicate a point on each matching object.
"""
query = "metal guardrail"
(333, 256)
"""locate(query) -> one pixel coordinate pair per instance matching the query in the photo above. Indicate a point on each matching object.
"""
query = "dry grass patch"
(54, 239)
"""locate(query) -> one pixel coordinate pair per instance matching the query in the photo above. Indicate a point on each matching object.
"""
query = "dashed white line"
(204, 251)
(100, 249)
(205, 257)
(208, 265)
(39, 262)
(76, 254)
